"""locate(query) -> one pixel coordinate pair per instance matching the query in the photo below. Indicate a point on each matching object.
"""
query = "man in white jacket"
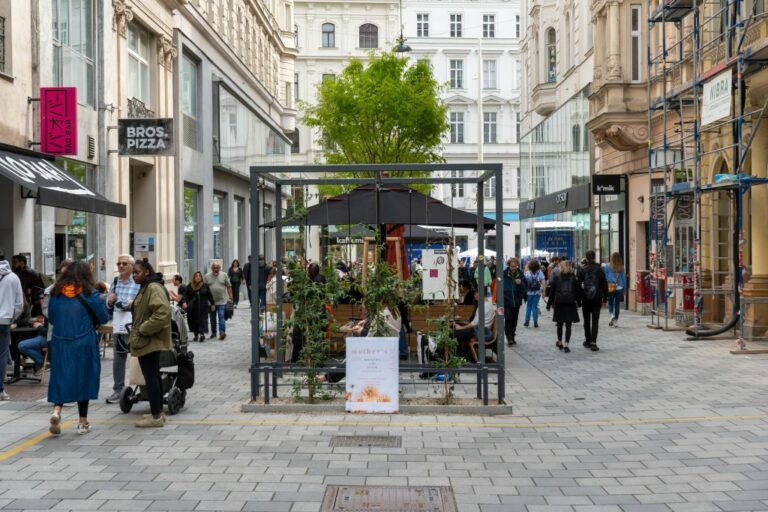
(11, 306)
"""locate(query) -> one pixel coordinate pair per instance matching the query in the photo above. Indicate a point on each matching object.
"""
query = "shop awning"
(42, 179)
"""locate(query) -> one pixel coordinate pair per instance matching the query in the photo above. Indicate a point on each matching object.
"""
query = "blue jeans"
(262, 299)
(218, 314)
(532, 307)
(32, 348)
(5, 342)
(614, 303)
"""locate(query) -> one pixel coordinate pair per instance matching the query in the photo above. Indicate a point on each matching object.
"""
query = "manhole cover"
(366, 441)
(361, 498)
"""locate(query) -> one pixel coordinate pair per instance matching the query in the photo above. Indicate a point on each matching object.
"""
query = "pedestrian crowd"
(62, 324)
(566, 288)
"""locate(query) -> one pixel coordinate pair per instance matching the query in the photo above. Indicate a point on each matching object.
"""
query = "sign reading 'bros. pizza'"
(148, 137)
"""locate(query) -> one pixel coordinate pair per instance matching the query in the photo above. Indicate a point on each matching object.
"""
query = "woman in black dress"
(564, 297)
(236, 277)
(198, 302)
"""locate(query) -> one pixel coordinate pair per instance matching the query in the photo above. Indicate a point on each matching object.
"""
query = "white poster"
(434, 277)
(372, 375)
(119, 320)
(716, 101)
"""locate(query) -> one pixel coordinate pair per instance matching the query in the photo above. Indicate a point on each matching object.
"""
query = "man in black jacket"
(593, 292)
(247, 277)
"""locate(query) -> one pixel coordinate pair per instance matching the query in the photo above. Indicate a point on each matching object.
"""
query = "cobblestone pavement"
(650, 423)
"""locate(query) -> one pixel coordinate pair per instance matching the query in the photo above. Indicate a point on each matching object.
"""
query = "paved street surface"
(649, 423)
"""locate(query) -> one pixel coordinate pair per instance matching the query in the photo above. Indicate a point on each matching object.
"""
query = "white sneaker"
(610, 324)
(615, 322)
(4, 396)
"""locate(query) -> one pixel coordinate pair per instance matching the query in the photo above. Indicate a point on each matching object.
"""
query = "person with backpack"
(617, 283)
(514, 290)
(534, 284)
(119, 303)
(594, 291)
(75, 312)
(564, 296)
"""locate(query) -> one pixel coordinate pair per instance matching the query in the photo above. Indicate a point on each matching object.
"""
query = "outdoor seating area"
(390, 207)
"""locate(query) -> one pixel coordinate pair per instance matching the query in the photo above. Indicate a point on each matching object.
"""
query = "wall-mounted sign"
(143, 242)
(148, 137)
(561, 199)
(716, 100)
(606, 184)
(58, 120)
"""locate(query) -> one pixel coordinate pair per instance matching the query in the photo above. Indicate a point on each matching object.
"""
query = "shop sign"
(58, 120)
(716, 100)
(346, 240)
(372, 366)
(604, 185)
(148, 137)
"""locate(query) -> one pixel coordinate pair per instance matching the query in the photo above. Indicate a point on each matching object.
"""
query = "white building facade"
(556, 150)
(474, 48)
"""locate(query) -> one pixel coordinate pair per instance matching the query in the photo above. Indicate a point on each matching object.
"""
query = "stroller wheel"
(174, 400)
(126, 399)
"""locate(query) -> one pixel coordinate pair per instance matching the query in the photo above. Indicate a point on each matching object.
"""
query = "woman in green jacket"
(150, 335)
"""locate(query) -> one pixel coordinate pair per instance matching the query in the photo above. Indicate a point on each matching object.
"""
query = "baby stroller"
(177, 369)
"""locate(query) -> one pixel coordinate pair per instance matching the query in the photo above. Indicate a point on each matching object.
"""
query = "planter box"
(476, 407)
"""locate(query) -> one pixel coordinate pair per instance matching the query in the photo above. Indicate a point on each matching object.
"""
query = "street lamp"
(401, 46)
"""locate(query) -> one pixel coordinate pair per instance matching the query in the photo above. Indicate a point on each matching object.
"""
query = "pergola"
(377, 176)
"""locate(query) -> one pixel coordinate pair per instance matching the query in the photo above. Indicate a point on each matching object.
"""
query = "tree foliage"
(388, 111)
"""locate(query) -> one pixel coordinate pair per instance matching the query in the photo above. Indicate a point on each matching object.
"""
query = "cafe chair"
(46, 366)
(492, 344)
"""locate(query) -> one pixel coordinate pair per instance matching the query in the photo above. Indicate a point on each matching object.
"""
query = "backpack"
(532, 283)
(590, 282)
(566, 291)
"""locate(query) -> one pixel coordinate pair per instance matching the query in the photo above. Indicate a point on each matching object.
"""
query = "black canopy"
(397, 205)
(51, 185)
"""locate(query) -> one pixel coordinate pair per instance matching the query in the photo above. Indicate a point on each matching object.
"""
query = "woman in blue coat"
(74, 311)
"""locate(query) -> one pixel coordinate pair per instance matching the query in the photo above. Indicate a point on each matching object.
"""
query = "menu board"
(372, 375)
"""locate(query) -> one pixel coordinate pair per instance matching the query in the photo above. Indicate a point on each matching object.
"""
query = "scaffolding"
(696, 215)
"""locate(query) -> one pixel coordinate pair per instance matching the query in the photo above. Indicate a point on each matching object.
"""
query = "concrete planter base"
(492, 409)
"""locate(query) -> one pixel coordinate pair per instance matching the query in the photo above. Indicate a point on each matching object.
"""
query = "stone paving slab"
(643, 425)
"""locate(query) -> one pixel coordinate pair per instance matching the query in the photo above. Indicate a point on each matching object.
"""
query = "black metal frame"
(274, 174)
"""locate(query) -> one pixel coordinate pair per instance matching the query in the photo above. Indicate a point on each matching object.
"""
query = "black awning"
(397, 205)
(50, 184)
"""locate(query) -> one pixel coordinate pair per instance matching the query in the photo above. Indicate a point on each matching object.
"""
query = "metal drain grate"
(366, 441)
(362, 498)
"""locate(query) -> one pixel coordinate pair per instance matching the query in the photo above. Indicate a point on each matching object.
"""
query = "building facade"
(619, 127)
(556, 150)
(130, 59)
(236, 104)
(475, 51)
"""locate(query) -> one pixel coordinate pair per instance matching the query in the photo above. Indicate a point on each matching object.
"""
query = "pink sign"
(58, 120)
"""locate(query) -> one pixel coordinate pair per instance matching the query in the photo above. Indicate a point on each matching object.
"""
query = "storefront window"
(190, 231)
(239, 242)
(72, 225)
(218, 226)
(555, 157)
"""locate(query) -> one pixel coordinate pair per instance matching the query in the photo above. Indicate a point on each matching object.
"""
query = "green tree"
(388, 111)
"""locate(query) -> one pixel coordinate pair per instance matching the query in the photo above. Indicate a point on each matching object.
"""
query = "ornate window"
(329, 35)
(551, 54)
(422, 25)
(369, 36)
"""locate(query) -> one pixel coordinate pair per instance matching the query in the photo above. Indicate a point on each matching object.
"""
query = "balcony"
(544, 98)
(619, 116)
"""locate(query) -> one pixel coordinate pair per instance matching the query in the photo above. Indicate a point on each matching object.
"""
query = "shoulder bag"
(90, 311)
